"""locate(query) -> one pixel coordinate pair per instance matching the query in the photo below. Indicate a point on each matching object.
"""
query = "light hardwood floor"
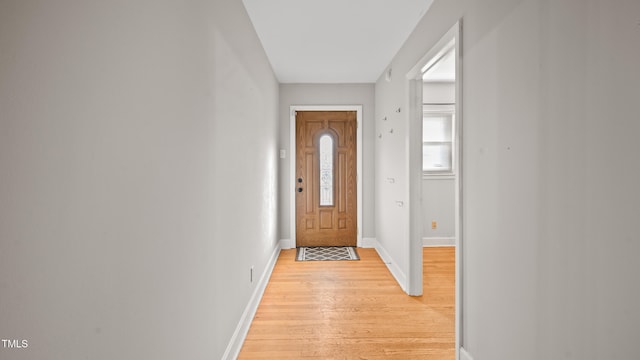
(354, 310)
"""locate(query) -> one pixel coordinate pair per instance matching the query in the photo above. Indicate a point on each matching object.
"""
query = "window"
(326, 170)
(437, 140)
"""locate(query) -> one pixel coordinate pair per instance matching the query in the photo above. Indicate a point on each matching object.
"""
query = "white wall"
(438, 193)
(438, 204)
(550, 176)
(328, 94)
(391, 187)
(438, 92)
(130, 210)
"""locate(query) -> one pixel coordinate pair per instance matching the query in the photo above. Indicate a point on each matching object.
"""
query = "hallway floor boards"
(354, 310)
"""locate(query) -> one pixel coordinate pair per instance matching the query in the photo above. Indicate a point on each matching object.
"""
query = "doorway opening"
(328, 197)
(435, 143)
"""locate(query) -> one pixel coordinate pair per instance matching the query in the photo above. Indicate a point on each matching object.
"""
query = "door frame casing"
(414, 82)
(292, 162)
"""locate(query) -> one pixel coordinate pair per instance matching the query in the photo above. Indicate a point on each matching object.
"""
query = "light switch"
(283, 153)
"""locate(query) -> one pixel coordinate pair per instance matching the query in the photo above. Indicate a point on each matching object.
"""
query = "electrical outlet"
(434, 225)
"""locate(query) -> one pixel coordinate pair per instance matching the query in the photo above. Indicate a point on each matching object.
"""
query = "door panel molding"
(292, 162)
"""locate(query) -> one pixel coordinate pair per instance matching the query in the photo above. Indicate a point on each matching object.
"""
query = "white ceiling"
(333, 41)
(444, 70)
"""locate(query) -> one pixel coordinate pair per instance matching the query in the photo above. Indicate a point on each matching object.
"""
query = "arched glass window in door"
(326, 170)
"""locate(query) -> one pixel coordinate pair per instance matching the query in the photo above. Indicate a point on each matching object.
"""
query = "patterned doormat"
(324, 253)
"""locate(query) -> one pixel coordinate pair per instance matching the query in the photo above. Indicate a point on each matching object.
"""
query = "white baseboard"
(397, 273)
(235, 344)
(464, 355)
(368, 243)
(438, 241)
(287, 244)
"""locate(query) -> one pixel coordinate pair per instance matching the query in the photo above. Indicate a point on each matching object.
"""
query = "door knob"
(299, 179)
(299, 189)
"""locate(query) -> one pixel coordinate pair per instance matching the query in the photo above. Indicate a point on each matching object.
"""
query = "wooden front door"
(326, 189)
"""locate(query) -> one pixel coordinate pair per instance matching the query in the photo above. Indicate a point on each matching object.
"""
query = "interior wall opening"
(435, 162)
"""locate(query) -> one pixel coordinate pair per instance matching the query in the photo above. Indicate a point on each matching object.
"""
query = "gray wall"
(438, 193)
(550, 174)
(439, 92)
(438, 204)
(138, 167)
(328, 94)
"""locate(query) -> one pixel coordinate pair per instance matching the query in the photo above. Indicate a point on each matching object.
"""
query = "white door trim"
(292, 161)
(414, 78)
